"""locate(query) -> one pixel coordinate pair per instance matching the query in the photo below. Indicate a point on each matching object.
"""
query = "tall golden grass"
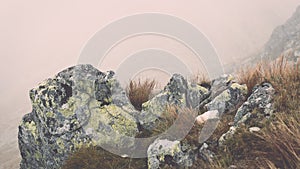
(277, 145)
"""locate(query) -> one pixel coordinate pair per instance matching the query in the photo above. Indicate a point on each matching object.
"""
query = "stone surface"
(178, 92)
(80, 105)
(260, 100)
(228, 99)
(285, 37)
(163, 151)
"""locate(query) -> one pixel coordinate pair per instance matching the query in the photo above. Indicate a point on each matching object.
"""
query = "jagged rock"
(228, 99)
(178, 92)
(218, 86)
(285, 37)
(80, 105)
(260, 99)
(163, 151)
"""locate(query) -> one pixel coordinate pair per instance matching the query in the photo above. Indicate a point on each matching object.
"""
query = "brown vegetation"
(139, 92)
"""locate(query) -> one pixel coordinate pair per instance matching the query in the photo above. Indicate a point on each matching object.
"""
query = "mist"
(41, 38)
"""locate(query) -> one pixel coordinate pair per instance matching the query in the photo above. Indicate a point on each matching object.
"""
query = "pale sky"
(40, 38)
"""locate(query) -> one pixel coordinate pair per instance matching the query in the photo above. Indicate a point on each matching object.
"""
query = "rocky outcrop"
(285, 39)
(178, 92)
(83, 106)
(80, 105)
(261, 101)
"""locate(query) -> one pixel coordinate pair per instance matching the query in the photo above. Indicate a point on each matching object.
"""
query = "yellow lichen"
(31, 126)
(243, 88)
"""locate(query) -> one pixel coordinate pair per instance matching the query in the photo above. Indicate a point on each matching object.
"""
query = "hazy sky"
(40, 38)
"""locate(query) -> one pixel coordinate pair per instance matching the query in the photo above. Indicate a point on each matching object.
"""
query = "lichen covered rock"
(164, 151)
(79, 106)
(228, 99)
(260, 100)
(178, 92)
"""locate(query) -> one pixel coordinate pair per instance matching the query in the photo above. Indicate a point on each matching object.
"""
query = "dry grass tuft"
(284, 137)
(201, 79)
(279, 73)
(178, 115)
(97, 158)
(250, 76)
(277, 145)
(139, 92)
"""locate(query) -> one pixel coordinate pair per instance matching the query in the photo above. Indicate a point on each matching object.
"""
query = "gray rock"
(218, 86)
(228, 99)
(261, 99)
(178, 92)
(284, 37)
(161, 149)
(78, 106)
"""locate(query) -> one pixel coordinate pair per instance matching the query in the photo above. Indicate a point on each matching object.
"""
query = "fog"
(40, 38)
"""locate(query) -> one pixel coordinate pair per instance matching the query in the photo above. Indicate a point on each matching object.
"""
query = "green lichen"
(31, 126)
(60, 143)
(223, 97)
(50, 114)
(67, 110)
(202, 89)
(113, 118)
(172, 151)
(230, 78)
(37, 155)
(243, 88)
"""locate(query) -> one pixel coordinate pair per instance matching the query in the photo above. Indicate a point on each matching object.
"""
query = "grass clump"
(93, 157)
(277, 144)
(202, 80)
(140, 92)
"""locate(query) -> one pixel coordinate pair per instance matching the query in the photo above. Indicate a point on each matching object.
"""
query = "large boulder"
(78, 106)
